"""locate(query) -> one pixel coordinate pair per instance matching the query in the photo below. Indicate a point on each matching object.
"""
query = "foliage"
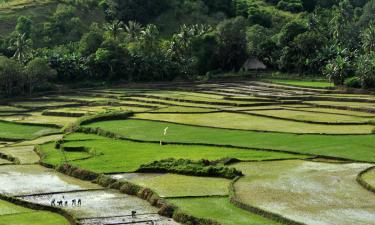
(38, 74)
(232, 43)
(189, 167)
(353, 82)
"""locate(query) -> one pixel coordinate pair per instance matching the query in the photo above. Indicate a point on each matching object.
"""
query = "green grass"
(311, 116)
(348, 104)
(356, 147)
(173, 185)
(20, 131)
(333, 111)
(369, 177)
(126, 156)
(11, 214)
(38, 118)
(220, 210)
(302, 83)
(249, 122)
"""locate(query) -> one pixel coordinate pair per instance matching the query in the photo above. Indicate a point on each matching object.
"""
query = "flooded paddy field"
(309, 192)
(34, 179)
(96, 203)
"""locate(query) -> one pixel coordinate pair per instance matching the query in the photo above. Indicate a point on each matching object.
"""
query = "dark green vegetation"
(312, 144)
(188, 167)
(92, 41)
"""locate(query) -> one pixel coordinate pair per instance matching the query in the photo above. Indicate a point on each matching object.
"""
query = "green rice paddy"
(250, 122)
(298, 160)
(221, 210)
(308, 143)
(126, 156)
(174, 185)
(11, 214)
(21, 131)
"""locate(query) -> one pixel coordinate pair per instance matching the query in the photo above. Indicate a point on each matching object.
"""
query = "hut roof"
(253, 63)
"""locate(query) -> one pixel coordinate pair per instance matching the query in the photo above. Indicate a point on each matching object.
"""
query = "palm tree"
(149, 36)
(336, 70)
(114, 29)
(368, 39)
(133, 29)
(22, 47)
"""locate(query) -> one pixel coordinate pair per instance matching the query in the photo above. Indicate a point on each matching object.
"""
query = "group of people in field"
(64, 202)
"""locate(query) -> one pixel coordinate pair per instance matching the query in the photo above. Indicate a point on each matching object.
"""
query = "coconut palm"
(368, 39)
(22, 47)
(114, 29)
(133, 29)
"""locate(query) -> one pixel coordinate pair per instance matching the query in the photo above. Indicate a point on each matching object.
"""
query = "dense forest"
(162, 40)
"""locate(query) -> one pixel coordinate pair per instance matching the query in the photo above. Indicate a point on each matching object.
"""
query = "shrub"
(353, 82)
(189, 167)
(290, 5)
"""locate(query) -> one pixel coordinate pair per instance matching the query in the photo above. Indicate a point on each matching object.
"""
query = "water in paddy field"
(313, 193)
(98, 205)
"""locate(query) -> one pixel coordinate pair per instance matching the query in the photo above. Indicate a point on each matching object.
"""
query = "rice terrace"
(187, 112)
(219, 152)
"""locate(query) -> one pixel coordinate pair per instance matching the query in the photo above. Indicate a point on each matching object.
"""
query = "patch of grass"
(20, 131)
(174, 185)
(356, 147)
(38, 118)
(302, 83)
(333, 111)
(127, 156)
(249, 122)
(220, 210)
(369, 177)
(348, 104)
(16, 215)
(311, 116)
(34, 218)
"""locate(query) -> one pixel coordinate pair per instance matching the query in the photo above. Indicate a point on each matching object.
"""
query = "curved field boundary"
(195, 196)
(296, 120)
(273, 216)
(297, 87)
(70, 218)
(63, 114)
(165, 103)
(368, 110)
(196, 101)
(108, 134)
(364, 183)
(331, 113)
(259, 131)
(32, 124)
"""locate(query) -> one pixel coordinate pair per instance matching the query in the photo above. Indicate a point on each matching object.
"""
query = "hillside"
(39, 11)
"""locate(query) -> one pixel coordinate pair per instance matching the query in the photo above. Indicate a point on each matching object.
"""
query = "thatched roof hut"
(253, 63)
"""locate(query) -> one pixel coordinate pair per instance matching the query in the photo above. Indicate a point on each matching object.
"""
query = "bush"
(290, 5)
(353, 82)
(189, 167)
